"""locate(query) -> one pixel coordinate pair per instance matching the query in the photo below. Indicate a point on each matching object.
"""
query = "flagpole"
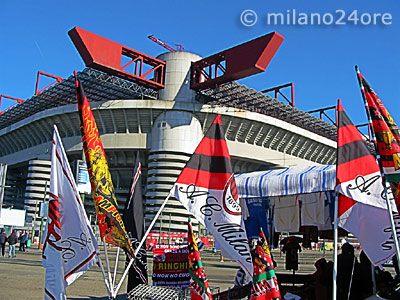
(116, 265)
(335, 248)
(336, 221)
(371, 128)
(108, 266)
(142, 241)
(100, 264)
(373, 279)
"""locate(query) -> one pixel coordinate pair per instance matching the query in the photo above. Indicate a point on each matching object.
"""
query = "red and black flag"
(133, 217)
(111, 226)
(265, 284)
(361, 201)
(207, 188)
(199, 288)
(387, 136)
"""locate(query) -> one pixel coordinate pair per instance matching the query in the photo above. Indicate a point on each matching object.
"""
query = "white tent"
(284, 182)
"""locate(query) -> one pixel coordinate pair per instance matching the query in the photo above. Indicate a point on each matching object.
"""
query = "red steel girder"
(161, 43)
(235, 63)
(105, 55)
(11, 98)
(277, 91)
(57, 79)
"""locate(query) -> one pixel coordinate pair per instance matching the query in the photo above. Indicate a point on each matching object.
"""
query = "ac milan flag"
(386, 133)
(361, 201)
(207, 188)
(111, 226)
(385, 129)
(69, 247)
(133, 217)
(265, 284)
(199, 288)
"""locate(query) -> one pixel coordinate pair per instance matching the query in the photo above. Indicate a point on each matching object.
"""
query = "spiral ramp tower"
(175, 135)
(37, 189)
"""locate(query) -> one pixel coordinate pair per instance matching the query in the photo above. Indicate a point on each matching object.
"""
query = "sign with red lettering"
(170, 266)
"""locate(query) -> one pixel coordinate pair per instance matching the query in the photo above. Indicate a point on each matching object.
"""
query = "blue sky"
(319, 59)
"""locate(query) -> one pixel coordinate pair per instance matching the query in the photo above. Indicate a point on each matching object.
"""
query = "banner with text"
(170, 266)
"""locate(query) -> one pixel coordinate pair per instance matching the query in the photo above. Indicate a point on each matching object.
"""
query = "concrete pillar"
(175, 136)
(177, 76)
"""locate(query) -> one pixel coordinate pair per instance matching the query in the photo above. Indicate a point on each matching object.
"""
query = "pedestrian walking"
(23, 239)
(12, 240)
(3, 240)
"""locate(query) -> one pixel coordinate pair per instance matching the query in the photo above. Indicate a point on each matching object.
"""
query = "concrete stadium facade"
(165, 131)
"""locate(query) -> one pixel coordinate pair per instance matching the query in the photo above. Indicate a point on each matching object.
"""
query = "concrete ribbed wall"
(175, 136)
(177, 76)
(37, 188)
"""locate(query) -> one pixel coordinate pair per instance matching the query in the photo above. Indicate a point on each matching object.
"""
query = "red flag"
(362, 204)
(111, 226)
(265, 284)
(386, 133)
(199, 288)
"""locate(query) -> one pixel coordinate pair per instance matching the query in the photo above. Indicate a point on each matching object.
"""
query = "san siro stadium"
(159, 113)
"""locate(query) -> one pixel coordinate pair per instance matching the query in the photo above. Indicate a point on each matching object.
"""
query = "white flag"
(207, 188)
(69, 247)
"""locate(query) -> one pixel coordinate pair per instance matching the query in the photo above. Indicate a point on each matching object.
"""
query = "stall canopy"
(284, 182)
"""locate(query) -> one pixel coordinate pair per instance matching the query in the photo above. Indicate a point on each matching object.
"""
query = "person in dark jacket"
(23, 241)
(3, 240)
(12, 240)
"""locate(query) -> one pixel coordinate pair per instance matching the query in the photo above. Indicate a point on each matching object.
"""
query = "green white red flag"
(199, 288)
(265, 284)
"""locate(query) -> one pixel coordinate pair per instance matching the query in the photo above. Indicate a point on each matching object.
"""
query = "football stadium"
(157, 108)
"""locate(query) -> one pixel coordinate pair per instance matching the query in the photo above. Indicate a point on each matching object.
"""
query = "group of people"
(354, 277)
(12, 240)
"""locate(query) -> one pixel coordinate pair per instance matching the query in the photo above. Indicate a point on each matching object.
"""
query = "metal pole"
(373, 279)
(108, 267)
(169, 229)
(335, 246)
(351, 278)
(100, 264)
(160, 228)
(41, 219)
(292, 86)
(142, 242)
(116, 266)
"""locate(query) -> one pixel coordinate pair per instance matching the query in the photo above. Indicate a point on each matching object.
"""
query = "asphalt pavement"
(22, 277)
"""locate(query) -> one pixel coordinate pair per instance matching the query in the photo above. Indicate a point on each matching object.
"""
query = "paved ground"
(23, 277)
